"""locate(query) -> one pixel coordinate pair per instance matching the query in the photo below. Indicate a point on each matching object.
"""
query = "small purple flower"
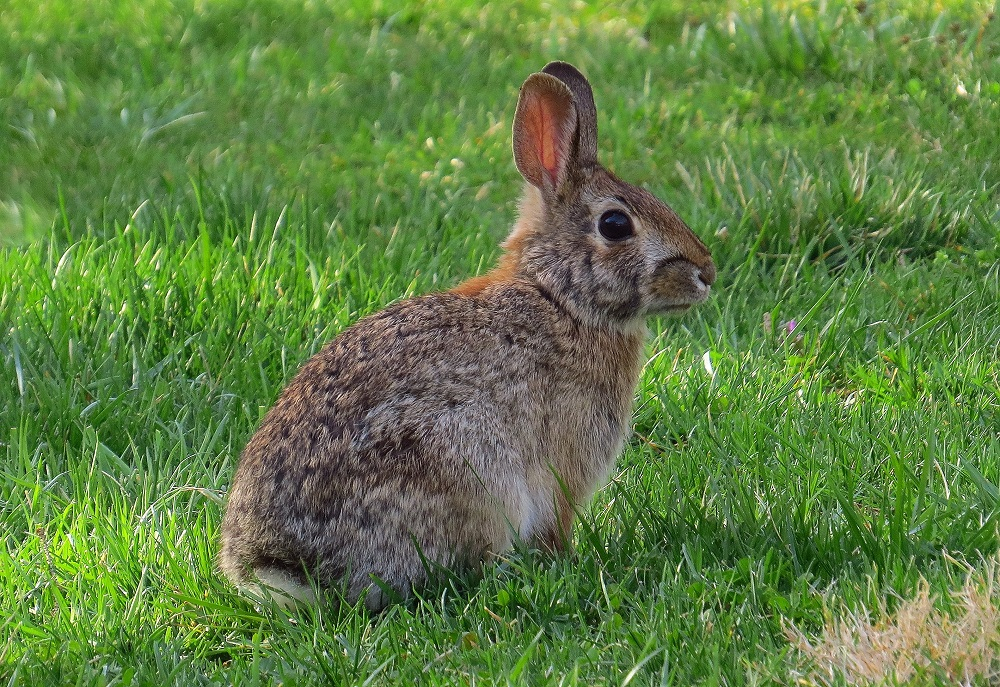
(790, 326)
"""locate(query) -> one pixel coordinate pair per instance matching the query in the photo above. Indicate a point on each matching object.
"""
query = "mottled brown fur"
(446, 427)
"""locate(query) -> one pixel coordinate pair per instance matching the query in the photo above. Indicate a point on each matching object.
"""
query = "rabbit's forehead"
(606, 188)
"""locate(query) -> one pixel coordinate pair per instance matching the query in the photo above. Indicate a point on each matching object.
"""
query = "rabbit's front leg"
(557, 536)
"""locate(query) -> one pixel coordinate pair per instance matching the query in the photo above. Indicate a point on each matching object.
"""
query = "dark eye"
(615, 225)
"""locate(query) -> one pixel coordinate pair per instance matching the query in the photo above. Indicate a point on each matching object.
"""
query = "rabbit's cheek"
(622, 299)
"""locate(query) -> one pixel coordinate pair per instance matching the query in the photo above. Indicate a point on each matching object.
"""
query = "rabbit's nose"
(707, 274)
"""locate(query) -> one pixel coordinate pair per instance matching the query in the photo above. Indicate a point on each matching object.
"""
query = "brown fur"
(446, 427)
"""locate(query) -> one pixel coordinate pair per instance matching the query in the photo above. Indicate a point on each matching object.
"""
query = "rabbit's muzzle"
(679, 283)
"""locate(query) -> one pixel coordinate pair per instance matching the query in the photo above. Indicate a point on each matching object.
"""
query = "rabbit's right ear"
(544, 131)
(586, 111)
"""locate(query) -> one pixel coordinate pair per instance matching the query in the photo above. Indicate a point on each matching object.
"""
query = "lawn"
(195, 196)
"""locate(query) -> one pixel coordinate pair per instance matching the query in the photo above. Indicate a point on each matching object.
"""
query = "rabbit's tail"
(281, 586)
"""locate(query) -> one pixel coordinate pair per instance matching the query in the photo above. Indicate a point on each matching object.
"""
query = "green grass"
(195, 196)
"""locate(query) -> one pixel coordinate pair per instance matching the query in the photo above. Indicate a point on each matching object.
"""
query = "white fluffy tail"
(285, 590)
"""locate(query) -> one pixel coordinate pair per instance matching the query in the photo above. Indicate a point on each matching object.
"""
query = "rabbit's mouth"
(675, 305)
(678, 285)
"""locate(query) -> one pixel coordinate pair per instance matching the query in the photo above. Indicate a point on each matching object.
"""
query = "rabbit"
(447, 428)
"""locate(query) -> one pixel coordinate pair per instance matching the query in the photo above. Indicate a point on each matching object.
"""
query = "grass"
(196, 196)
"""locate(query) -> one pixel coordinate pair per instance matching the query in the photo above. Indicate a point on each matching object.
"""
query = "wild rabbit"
(446, 427)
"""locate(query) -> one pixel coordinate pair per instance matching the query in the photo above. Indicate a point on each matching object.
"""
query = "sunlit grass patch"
(952, 637)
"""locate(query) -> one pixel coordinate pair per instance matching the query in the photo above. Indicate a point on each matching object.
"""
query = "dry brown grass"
(954, 642)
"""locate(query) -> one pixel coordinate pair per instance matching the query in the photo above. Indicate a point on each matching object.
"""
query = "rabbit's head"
(607, 251)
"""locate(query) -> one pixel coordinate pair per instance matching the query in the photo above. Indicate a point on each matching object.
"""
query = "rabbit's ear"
(583, 96)
(545, 128)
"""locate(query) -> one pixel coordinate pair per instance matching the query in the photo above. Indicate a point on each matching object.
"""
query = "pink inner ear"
(547, 147)
(544, 129)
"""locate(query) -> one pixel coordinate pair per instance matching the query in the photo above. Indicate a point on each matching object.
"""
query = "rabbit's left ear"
(545, 131)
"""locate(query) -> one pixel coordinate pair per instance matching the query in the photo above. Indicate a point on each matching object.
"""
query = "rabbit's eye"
(615, 225)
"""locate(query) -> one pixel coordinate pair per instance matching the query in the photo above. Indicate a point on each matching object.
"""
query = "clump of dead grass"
(955, 640)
